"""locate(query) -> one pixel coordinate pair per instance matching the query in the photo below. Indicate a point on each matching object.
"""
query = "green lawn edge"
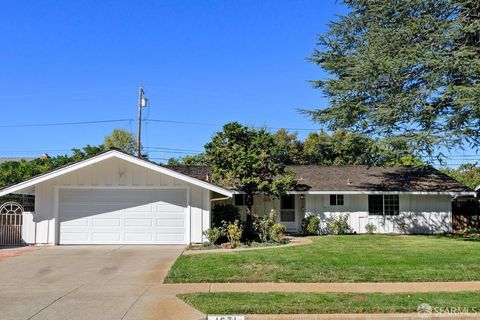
(353, 258)
(328, 303)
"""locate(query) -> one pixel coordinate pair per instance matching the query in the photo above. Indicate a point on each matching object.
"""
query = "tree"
(12, 172)
(468, 174)
(248, 160)
(189, 160)
(290, 148)
(406, 68)
(121, 139)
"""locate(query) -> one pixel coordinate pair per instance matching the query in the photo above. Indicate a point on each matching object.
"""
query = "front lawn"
(295, 303)
(359, 258)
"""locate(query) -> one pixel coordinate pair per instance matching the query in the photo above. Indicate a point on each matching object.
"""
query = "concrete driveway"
(90, 282)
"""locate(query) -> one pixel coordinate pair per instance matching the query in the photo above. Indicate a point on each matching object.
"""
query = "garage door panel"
(106, 222)
(74, 237)
(113, 216)
(106, 237)
(76, 223)
(138, 236)
(170, 223)
(139, 222)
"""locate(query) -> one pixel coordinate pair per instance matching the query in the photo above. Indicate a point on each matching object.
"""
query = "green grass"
(295, 303)
(360, 258)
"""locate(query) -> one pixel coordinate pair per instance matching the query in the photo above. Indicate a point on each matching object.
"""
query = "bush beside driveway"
(355, 258)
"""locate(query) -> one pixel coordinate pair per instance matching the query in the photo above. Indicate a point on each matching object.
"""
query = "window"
(383, 204)
(239, 200)
(391, 204)
(287, 208)
(336, 200)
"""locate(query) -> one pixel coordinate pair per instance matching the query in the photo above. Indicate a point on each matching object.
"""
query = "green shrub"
(224, 214)
(338, 224)
(311, 225)
(370, 228)
(277, 232)
(471, 230)
(213, 234)
(234, 233)
(263, 225)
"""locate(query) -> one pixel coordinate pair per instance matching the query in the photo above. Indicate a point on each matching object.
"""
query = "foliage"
(224, 213)
(12, 172)
(467, 174)
(277, 232)
(263, 225)
(248, 160)
(289, 147)
(121, 139)
(234, 233)
(408, 69)
(338, 224)
(213, 234)
(471, 230)
(189, 160)
(311, 225)
(370, 228)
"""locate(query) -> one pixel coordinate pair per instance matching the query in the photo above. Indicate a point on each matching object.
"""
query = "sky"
(201, 62)
(204, 62)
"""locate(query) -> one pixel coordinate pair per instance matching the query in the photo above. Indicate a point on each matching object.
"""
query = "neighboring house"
(116, 198)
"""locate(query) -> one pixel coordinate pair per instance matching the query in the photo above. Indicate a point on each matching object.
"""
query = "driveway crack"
(48, 305)
(135, 301)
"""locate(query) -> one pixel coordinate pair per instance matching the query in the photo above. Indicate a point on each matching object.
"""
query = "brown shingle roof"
(358, 178)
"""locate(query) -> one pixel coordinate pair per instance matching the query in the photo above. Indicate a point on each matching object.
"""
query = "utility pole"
(141, 103)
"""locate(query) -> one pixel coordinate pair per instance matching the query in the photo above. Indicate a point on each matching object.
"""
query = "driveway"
(90, 282)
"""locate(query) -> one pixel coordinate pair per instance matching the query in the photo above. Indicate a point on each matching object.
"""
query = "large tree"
(407, 69)
(248, 160)
(121, 139)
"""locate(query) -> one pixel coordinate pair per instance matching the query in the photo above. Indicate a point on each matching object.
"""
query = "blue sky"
(200, 61)
(207, 62)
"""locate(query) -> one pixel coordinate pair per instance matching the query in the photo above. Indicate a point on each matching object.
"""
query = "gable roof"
(107, 155)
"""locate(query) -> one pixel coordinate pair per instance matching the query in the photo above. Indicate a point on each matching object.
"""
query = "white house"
(116, 198)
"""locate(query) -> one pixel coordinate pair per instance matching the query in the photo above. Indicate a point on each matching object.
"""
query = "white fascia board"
(465, 193)
(477, 188)
(108, 155)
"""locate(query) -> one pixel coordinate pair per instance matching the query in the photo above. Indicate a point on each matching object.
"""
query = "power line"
(62, 123)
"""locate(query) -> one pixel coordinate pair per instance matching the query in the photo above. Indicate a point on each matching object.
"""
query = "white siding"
(420, 213)
(114, 172)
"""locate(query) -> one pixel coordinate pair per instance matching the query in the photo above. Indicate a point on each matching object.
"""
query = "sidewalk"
(386, 287)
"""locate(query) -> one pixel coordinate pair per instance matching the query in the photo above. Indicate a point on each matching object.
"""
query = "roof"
(311, 178)
(365, 178)
(358, 178)
(113, 153)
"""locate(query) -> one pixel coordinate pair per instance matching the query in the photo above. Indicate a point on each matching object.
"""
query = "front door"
(288, 212)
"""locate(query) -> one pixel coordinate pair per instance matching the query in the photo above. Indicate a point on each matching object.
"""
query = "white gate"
(11, 220)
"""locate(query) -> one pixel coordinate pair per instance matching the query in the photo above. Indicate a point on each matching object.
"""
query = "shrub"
(277, 232)
(471, 230)
(234, 233)
(338, 224)
(370, 228)
(213, 234)
(263, 225)
(224, 213)
(311, 225)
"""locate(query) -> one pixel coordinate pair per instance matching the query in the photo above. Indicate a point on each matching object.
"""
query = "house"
(116, 198)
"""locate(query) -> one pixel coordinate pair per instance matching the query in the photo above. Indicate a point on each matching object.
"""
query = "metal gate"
(11, 220)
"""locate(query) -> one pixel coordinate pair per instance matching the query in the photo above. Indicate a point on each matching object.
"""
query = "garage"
(122, 215)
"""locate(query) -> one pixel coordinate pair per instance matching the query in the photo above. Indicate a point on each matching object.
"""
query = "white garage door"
(122, 216)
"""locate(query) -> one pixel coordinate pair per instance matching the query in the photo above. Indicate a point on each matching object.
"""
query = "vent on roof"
(349, 182)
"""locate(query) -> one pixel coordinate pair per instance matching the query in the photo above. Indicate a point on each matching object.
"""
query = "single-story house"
(116, 198)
